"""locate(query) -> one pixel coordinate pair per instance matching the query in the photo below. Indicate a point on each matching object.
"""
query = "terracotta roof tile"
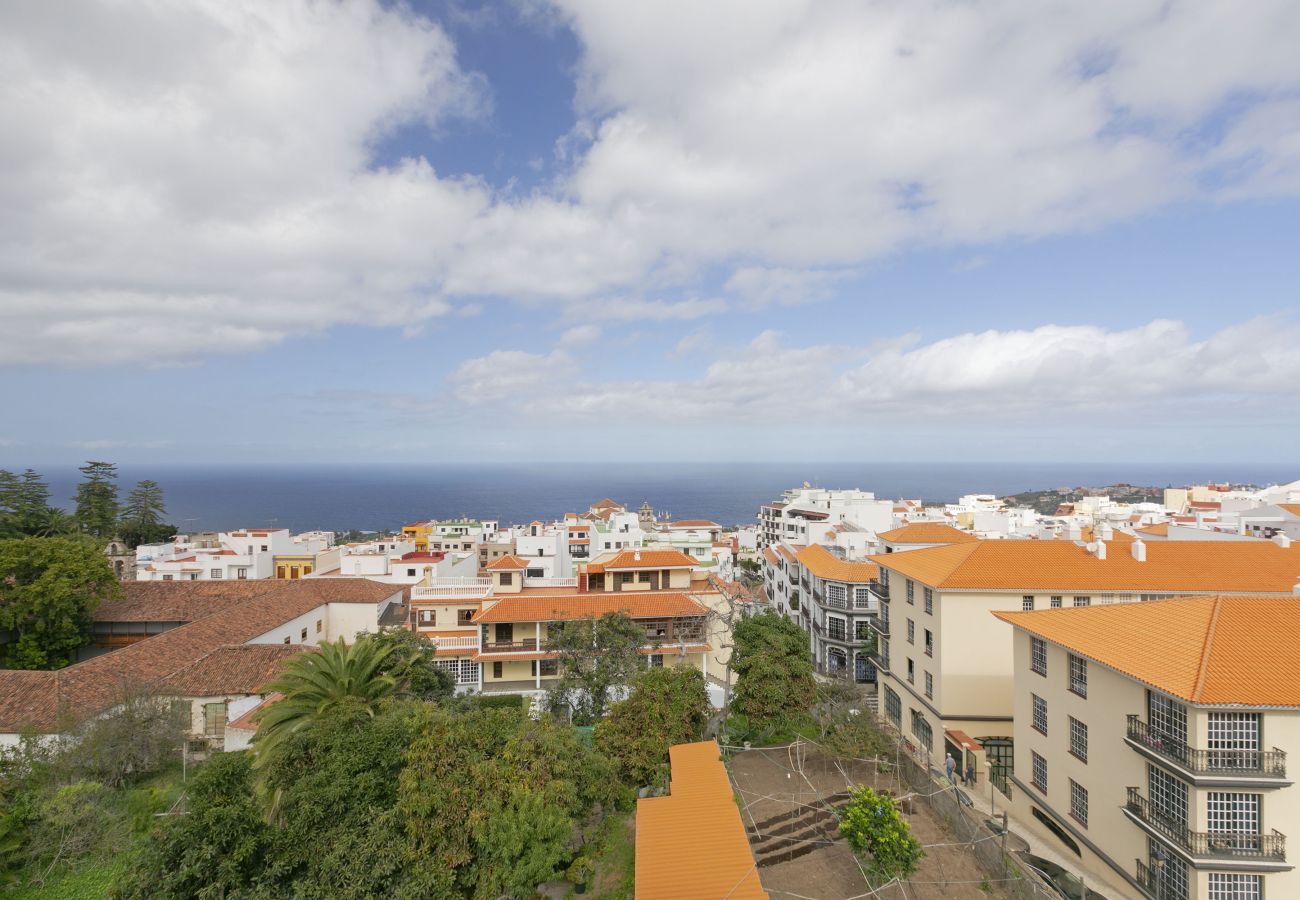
(770, 555)
(1160, 529)
(1206, 650)
(1292, 508)
(509, 561)
(693, 523)
(926, 533)
(642, 559)
(691, 845)
(237, 669)
(637, 604)
(1189, 566)
(825, 564)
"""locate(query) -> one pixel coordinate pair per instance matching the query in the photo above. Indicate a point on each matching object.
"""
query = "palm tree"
(314, 683)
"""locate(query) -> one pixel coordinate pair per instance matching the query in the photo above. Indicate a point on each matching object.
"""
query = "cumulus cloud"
(1049, 372)
(188, 179)
(580, 334)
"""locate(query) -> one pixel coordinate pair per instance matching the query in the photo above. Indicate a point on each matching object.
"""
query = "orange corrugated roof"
(825, 564)
(691, 845)
(1206, 650)
(509, 561)
(926, 533)
(648, 605)
(642, 559)
(1245, 567)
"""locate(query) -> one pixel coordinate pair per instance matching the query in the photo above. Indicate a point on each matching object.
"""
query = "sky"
(234, 231)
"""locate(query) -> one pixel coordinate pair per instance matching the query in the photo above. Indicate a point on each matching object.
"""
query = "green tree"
(774, 671)
(25, 509)
(594, 656)
(874, 828)
(49, 591)
(411, 663)
(666, 707)
(142, 516)
(314, 683)
(97, 499)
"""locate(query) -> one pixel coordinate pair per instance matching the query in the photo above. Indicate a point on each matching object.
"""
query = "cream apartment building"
(1151, 740)
(944, 662)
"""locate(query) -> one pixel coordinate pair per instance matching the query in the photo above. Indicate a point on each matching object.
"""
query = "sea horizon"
(381, 497)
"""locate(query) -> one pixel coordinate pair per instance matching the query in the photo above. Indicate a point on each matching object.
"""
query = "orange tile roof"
(1088, 535)
(1246, 567)
(692, 523)
(691, 845)
(1160, 529)
(245, 722)
(1205, 650)
(825, 564)
(637, 604)
(770, 555)
(642, 559)
(1292, 508)
(509, 561)
(785, 552)
(926, 533)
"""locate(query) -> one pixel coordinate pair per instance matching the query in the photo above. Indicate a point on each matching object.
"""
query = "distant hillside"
(1049, 501)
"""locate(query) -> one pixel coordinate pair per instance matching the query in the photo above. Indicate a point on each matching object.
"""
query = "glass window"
(1235, 817)
(1027, 603)
(921, 728)
(862, 630)
(911, 591)
(1040, 771)
(1038, 655)
(1169, 717)
(1056, 602)
(911, 672)
(929, 685)
(1079, 802)
(1234, 886)
(929, 600)
(1168, 796)
(1078, 739)
(1233, 739)
(911, 632)
(836, 596)
(835, 627)
(1082, 601)
(929, 642)
(1079, 675)
(1040, 713)
(893, 706)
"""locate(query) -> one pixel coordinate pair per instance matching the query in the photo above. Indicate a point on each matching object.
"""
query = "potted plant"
(580, 872)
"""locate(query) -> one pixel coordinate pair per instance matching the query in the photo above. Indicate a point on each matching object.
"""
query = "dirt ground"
(787, 797)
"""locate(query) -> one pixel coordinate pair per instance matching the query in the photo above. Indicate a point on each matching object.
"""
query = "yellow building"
(293, 566)
(1151, 741)
(418, 534)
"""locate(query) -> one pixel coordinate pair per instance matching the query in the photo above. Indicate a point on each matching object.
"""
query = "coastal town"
(972, 635)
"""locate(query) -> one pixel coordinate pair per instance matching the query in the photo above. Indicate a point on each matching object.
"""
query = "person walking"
(951, 765)
(970, 775)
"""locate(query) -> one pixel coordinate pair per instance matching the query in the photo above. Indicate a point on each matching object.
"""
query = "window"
(656, 660)
(1027, 603)
(1056, 602)
(929, 685)
(1235, 817)
(644, 578)
(862, 630)
(911, 672)
(1040, 771)
(1232, 738)
(1231, 886)
(1082, 601)
(264, 548)
(911, 632)
(929, 600)
(1078, 739)
(496, 670)
(241, 573)
(167, 578)
(893, 707)
(550, 666)
(464, 617)
(911, 592)
(1173, 880)
(837, 596)
(929, 642)
(214, 720)
(1168, 796)
(1040, 714)
(507, 578)
(304, 635)
(835, 628)
(288, 639)
(924, 734)
(861, 598)
(1169, 717)
(466, 672)
(1079, 802)
(318, 626)
(215, 573)
(1078, 675)
(541, 573)
(1038, 655)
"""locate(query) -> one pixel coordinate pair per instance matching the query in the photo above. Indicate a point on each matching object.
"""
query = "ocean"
(383, 497)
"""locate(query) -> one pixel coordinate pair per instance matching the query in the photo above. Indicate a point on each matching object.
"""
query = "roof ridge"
(1207, 649)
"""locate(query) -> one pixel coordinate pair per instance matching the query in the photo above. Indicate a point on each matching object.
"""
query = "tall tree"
(142, 515)
(411, 663)
(25, 507)
(667, 706)
(97, 499)
(774, 671)
(49, 590)
(595, 656)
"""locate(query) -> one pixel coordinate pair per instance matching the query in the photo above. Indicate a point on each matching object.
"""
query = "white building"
(803, 515)
(248, 554)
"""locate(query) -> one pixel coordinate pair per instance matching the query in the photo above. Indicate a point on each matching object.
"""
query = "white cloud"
(183, 180)
(580, 334)
(1053, 372)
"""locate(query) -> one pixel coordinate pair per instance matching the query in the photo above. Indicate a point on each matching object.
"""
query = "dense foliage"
(774, 672)
(595, 656)
(141, 521)
(666, 706)
(874, 828)
(49, 590)
(410, 661)
(25, 509)
(97, 508)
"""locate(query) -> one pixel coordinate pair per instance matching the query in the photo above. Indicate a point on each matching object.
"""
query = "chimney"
(1073, 532)
(636, 555)
(1139, 549)
(1105, 532)
(1282, 541)
(1099, 549)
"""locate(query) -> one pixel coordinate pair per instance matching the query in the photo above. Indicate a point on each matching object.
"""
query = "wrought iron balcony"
(881, 625)
(1217, 845)
(881, 592)
(1239, 763)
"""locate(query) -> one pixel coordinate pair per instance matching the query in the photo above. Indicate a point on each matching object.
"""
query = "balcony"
(453, 589)
(881, 625)
(1206, 764)
(527, 645)
(881, 592)
(1234, 845)
(468, 642)
(551, 582)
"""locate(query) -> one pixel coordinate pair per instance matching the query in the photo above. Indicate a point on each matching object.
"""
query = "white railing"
(468, 642)
(453, 588)
(551, 582)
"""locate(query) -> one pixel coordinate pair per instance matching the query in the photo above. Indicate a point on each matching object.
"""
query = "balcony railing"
(453, 588)
(881, 592)
(469, 642)
(551, 582)
(881, 625)
(527, 644)
(1226, 762)
(1146, 879)
(1221, 845)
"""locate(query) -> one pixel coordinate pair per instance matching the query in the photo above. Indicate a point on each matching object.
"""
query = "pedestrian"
(970, 775)
(951, 765)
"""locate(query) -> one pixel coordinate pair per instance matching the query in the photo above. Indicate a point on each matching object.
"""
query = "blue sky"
(579, 231)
